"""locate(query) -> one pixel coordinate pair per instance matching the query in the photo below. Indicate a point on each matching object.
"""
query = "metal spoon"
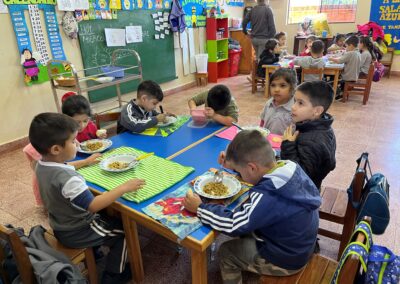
(218, 176)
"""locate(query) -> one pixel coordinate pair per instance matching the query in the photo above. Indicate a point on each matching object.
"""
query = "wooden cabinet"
(248, 55)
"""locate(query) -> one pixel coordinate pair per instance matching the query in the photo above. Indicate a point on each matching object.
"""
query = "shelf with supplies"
(98, 77)
(217, 48)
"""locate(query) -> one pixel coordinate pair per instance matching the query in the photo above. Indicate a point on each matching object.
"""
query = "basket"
(66, 82)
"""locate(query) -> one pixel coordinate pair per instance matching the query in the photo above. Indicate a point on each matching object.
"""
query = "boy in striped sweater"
(277, 226)
(73, 210)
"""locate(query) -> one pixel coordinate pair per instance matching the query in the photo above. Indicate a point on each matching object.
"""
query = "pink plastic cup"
(198, 116)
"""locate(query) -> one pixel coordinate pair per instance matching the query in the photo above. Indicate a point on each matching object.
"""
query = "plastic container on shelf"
(233, 61)
(201, 62)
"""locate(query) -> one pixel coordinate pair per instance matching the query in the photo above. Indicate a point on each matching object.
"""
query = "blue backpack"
(380, 265)
(374, 201)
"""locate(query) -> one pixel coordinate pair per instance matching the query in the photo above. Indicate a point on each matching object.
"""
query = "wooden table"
(328, 70)
(201, 154)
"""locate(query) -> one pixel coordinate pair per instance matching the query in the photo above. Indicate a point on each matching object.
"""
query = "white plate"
(265, 132)
(106, 144)
(232, 183)
(123, 158)
(169, 120)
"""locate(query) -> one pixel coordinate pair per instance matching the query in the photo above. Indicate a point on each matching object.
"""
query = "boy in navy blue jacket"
(278, 224)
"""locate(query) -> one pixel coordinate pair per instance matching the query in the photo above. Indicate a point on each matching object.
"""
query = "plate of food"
(94, 146)
(265, 132)
(168, 121)
(119, 163)
(206, 187)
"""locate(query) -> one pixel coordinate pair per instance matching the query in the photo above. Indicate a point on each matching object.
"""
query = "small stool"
(201, 79)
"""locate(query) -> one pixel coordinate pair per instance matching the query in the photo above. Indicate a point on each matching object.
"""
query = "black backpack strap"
(355, 204)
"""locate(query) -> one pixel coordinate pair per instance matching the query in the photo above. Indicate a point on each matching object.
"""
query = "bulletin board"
(157, 56)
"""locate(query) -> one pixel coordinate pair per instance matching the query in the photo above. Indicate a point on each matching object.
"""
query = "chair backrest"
(20, 254)
(352, 265)
(312, 71)
(387, 58)
(105, 117)
(370, 76)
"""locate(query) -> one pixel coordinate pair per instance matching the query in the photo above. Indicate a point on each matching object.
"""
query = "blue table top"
(163, 146)
(202, 157)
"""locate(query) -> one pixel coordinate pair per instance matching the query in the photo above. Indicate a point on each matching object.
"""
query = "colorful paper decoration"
(38, 34)
(128, 5)
(19, 2)
(102, 5)
(167, 4)
(115, 4)
(386, 14)
(20, 27)
(53, 32)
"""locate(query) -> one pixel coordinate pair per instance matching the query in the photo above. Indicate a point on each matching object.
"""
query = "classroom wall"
(19, 103)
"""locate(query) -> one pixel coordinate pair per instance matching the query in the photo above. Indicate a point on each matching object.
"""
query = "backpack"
(379, 71)
(374, 201)
(380, 265)
(177, 17)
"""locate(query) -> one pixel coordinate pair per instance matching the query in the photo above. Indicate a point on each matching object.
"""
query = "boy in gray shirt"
(72, 207)
(314, 61)
(351, 59)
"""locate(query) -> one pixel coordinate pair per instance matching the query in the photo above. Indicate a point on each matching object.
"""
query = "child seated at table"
(307, 48)
(278, 224)
(338, 44)
(351, 59)
(276, 115)
(140, 114)
(269, 56)
(72, 207)
(315, 61)
(281, 38)
(313, 145)
(366, 48)
(220, 106)
(78, 107)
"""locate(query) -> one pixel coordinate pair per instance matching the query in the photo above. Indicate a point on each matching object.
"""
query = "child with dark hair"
(276, 115)
(338, 43)
(366, 48)
(277, 227)
(281, 38)
(307, 48)
(140, 114)
(78, 107)
(72, 207)
(313, 145)
(315, 61)
(220, 106)
(269, 56)
(380, 47)
(351, 59)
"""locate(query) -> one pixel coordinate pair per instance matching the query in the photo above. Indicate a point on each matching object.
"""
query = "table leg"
(335, 82)
(199, 267)
(266, 87)
(134, 253)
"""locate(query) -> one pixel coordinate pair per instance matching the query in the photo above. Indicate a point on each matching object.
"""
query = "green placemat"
(165, 131)
(159, 174)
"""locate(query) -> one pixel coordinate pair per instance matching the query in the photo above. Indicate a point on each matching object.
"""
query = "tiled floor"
(374, 128)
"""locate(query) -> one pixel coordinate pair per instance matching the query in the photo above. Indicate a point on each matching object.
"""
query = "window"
(338, 11)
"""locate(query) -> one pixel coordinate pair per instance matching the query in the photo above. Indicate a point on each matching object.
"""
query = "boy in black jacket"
(313, 145)
(269, 56)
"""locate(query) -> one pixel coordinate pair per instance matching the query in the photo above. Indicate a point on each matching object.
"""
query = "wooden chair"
(255, 80)
(387, 59)
(361, 87)
(106, 117)
(312, 71)
(321, 269)
(337, 208)
(24, 265)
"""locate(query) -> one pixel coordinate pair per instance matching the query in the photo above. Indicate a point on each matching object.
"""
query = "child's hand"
(289, 135)
(92, 159)
(191, 202)
(133, 185)
(209, 112)
(161, 117)
(101, 133)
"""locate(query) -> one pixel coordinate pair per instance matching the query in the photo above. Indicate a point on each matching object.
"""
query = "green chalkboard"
(157, 56)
